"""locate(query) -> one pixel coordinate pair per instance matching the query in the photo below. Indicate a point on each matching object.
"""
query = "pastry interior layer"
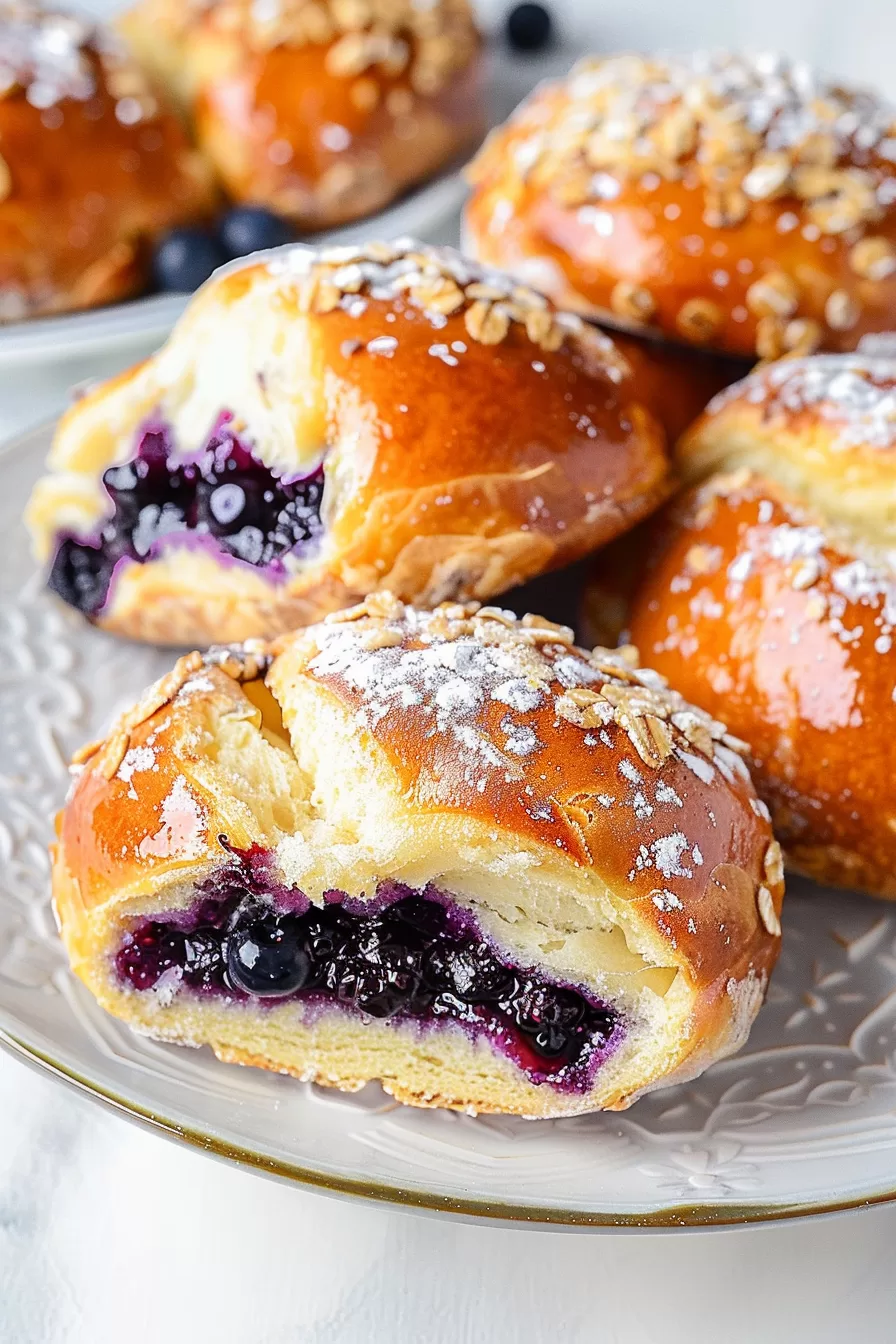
(506, 898)
(823, 428)
(436, 757)
(416, 958)
(222, 498)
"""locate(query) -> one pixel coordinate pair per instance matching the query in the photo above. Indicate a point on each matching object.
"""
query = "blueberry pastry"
(446, 850)
(767, 591)
(94, 165)
(738, 203)
(322, 110)
(322, 425)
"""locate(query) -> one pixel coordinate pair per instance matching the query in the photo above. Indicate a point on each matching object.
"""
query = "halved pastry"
(767, 592)
(449, 851)
(321, 425)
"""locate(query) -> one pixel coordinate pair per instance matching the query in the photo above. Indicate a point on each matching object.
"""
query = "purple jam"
(223, 493)
(409, 955)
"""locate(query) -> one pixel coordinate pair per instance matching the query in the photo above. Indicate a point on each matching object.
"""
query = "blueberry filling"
(413, 956)
(224, 493)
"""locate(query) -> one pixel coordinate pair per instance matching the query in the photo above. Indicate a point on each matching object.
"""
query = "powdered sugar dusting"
(852, 597)
(181, 834)
(440, 283)
(855, 394)
(495, 687)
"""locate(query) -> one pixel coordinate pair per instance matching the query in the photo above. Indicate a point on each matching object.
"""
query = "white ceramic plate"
(145, 323)
(803, 1121)
(429, 213)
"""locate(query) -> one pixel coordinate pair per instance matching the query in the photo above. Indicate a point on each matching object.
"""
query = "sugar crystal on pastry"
(447, 850)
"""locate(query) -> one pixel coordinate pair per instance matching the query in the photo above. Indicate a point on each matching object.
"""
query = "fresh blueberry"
(184, 260)
(267, 958)
(477, 975)
(251, 228)
(529, 27)
(204, 960)
(80, 575)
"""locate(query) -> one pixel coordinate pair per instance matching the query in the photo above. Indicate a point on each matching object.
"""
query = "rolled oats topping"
(460, 658)
(749, 128)
(441, 283)
(49, 56)
(427, 39)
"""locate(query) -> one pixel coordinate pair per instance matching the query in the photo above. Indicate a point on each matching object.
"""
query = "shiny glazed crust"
(739, 204)
(322, 111)
(601, 830)
(767, 595)
(471, 437)
(93, 167)
(823, 426)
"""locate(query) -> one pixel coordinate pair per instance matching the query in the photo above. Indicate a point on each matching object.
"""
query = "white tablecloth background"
(111, 1234)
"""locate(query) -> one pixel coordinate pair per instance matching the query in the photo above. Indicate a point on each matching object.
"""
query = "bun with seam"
(766, 593)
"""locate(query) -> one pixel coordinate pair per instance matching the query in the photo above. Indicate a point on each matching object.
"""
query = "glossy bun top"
(740, 202)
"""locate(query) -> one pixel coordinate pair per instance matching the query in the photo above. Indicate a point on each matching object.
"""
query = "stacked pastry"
(448, 850)
(320, 109)
(767, 593)
(323, 425)
(734, 206)
(315, 112)
(94, 165)
(744, 205)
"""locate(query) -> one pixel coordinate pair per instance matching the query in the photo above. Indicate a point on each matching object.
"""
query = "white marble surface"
(109, 1233)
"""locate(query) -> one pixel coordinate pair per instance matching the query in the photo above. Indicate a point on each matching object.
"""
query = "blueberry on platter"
(529, 27)
(185, 258)
(252, 228)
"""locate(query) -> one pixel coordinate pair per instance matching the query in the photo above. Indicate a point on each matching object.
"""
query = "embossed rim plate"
(801, 1122)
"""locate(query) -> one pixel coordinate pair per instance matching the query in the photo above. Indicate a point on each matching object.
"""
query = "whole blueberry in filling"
(409, 956)
(224, 493)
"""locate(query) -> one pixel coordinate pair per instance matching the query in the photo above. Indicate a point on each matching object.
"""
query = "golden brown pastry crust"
(323, 111)
(93, 166)
(567, 798)
(674, 382)
(740, 204)
(471, 437)
(768, 596)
